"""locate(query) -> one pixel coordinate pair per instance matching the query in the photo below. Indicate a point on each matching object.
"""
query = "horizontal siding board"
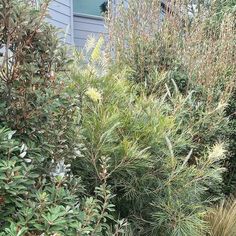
(88, 20)
(58, 24)
(88, 27)
(60, 12)
(59, 16)
(86, 34)
(85, 27)
(58, 7)
(63, 2)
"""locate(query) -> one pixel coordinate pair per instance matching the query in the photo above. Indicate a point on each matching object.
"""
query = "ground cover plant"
(130, 140)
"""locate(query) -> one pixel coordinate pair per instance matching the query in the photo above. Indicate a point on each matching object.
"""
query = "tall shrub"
(160, 177)
(32, 90)
(160, 131)
(190, 50)
(39, 134)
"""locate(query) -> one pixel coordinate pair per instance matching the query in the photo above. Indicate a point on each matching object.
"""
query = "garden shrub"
(39, 134)
(181, 52)
(137, 135)
(160, 178)
(33, 90)
(190, 51)
(32, 204)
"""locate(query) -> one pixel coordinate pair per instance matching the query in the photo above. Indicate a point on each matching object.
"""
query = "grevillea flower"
(94, 94)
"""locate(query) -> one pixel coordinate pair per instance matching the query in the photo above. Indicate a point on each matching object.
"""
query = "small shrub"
(221, 219)
(33, 204)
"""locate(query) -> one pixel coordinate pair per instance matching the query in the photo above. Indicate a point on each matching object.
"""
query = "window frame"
(85, 15)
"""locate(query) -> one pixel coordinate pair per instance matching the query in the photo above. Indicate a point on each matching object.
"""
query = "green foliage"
(160, 175)
(223, 8)
(230, 176)
(38, 192)
(35, 205)
(32, 94)
(190, 51)
(33, 97)
(83, 144)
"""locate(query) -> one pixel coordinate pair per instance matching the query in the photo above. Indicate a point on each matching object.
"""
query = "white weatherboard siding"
(61, 16)
(85, 26)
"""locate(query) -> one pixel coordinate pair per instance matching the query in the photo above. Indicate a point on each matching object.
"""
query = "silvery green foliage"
(60, 170)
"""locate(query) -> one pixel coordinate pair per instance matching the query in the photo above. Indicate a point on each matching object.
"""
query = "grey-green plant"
(191, 50)
(162, 181)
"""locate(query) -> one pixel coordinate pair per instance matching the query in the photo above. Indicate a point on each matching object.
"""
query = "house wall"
(76, 27)
(61, 15)
(85, 26)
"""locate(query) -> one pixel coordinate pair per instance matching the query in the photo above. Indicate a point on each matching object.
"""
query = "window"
(89, 7)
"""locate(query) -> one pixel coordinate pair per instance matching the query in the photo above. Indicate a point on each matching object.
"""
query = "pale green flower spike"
(94, 94)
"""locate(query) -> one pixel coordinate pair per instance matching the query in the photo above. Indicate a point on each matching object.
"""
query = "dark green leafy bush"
(32, 91)
(32, 204)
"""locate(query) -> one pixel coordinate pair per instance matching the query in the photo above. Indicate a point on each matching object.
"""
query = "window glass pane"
(89, 7)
